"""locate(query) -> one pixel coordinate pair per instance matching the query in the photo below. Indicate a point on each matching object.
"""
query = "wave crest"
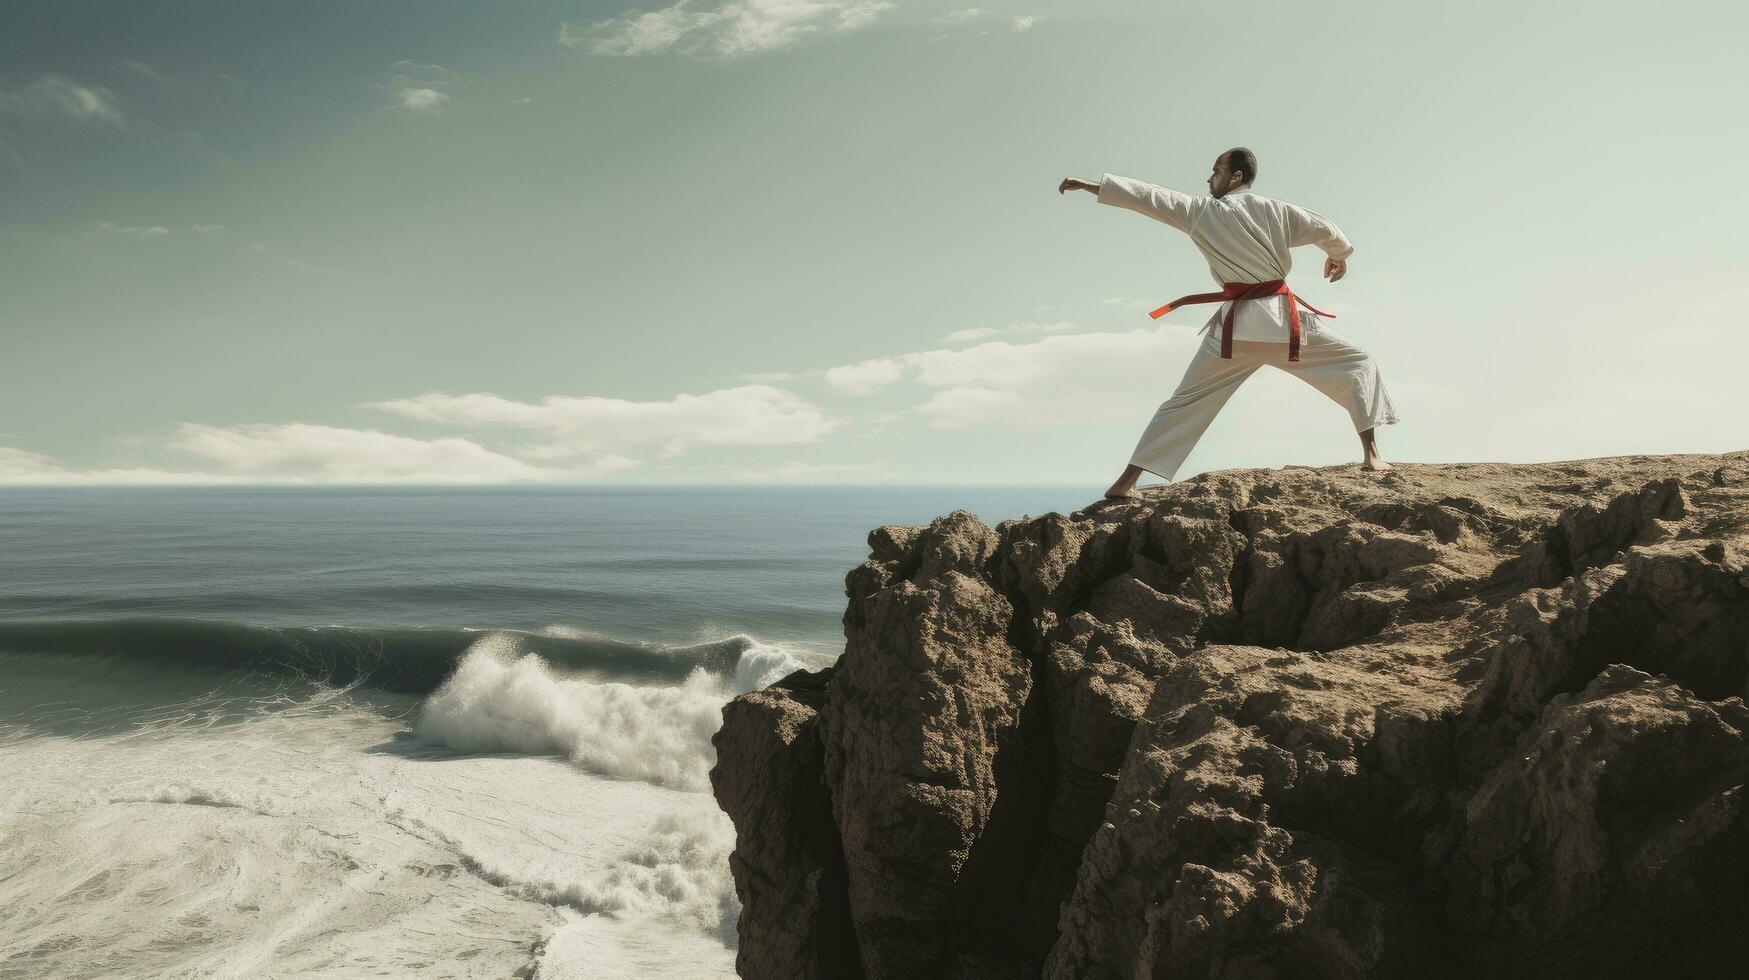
(503, 699)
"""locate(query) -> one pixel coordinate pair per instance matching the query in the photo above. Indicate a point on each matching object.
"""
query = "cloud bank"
(304, 454)
(1059, 377)
(749, 415)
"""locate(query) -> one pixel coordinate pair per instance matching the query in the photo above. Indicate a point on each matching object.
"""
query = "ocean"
(399, 732)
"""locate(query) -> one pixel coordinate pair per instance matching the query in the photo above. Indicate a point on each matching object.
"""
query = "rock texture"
(1446, 721)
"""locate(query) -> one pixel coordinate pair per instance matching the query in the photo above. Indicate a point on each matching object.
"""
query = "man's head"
(1233, 169)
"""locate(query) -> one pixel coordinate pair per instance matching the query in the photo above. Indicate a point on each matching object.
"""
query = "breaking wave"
(503, 698)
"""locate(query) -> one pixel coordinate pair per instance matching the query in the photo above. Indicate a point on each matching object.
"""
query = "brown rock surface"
(795, 921)
(1443, 721)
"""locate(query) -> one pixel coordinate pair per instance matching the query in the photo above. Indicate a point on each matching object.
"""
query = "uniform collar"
(1240, 190)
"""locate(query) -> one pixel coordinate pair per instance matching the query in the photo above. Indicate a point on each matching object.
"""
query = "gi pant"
(1328, 362)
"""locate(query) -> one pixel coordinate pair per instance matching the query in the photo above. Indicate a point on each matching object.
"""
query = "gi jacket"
(1244, 236)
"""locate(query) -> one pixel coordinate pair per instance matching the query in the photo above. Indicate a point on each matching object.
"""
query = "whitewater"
(397, 732)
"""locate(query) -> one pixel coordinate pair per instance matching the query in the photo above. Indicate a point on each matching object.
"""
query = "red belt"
(1236, 291)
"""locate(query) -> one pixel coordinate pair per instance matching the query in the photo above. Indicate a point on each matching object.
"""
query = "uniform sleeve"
(1172, 207)
(1308, 227)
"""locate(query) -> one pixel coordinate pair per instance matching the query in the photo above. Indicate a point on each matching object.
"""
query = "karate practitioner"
(1246, 237)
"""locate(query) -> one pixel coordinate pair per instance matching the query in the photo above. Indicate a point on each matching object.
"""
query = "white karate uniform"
(1246, 237)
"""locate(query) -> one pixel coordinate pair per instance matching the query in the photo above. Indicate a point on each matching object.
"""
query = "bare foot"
(1125, 486)
(1369, 453)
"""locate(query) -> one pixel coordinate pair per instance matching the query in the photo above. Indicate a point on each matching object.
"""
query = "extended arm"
(1159, 203)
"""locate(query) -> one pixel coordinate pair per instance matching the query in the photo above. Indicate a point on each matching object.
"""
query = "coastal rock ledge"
(1447, 721)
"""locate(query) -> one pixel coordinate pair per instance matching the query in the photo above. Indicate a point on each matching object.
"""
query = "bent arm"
(1308, 227)
(1161, 204)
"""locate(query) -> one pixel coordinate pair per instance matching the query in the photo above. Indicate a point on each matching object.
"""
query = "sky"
(805, 241)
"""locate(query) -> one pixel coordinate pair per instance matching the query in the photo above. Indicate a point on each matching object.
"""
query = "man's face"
(1219, 177)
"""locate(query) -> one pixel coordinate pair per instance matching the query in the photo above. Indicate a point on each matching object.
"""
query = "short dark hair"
(1239, 158)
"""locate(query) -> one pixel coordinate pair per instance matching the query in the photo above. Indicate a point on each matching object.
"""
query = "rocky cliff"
(1443, 721)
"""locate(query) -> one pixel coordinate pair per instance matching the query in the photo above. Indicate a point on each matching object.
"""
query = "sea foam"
(678, 872)
(503, 700)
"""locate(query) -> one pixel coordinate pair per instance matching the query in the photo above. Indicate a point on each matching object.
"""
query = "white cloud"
(971, 333)
(725, 30)
(58, 95)
(17, 465)
(631, 35)
(1024, 23)
(749, 415)
(1060, 377)
(132, 231)
(866, 377)
(1041, 328)
(304, 454)
(206, 229)
(135, 477)
(426, 100)
(964, 14)
(855, 16)
(326, 454)
(979, 333)
(419, 87)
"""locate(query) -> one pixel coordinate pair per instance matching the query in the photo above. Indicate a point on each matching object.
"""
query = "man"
(1246, 237)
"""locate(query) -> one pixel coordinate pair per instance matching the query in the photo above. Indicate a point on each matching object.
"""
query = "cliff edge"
(1443, 721)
